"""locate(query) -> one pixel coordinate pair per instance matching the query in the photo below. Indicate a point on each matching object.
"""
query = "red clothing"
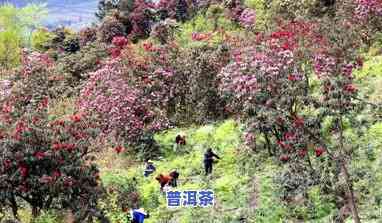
(163, 179)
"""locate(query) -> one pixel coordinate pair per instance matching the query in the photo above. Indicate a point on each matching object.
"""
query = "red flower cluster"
(298, 122)
(350, 88)
(115, 52)
(120, 41)
(20, 128)
(76, 118)
(282, 34)
(23, 169)
(56, 174)
(39, 155)
(119, 149)
(284, 145)
(7, 108)
(319, 151)
(284, 158)
(199, 36)
(44, 103)
(59, 146)
(302, 153)
(59, 122)
(7, 164)
(148, 46)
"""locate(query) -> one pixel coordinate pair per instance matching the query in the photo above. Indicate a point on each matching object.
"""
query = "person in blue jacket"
(150, 168)
(138, 215)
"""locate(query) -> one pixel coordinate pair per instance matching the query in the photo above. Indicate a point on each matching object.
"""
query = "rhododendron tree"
(141, 19)
(33, 81)
(185, 82)
(270, 85)
(125, 111)
(45, 163)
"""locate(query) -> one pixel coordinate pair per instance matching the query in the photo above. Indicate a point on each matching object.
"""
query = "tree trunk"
(349, 186)
(35, 212)
(268, 144)
(14, 207)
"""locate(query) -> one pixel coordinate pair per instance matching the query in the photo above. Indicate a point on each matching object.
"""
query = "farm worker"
(180, 140)
(150, 168)
(175, 175)
(209, 160)
(138, 215)
(163, 180)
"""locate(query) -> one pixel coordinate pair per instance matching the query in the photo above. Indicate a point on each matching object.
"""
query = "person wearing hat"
(138, 215)
(150, 168)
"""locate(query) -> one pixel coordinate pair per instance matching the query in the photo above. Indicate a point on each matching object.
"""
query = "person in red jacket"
(163, 180)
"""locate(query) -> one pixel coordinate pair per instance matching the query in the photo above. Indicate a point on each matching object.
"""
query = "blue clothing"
(138, 216)
(150, 168)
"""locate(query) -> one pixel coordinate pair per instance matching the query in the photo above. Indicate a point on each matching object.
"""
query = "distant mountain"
(73, 13)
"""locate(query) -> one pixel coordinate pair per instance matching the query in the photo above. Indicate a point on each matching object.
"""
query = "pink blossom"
(248, 18)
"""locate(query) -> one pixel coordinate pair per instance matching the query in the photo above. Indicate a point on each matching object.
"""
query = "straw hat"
(142, 210)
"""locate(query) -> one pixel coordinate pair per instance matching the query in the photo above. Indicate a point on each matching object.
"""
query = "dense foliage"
(45, 163)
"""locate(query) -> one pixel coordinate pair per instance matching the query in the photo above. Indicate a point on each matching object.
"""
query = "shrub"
(63, 41)
(164, 31)
(174, 9)
(48, 161)
(87, 35)
(274, 91)
(41, 39)
(32, 82)
(110, 28)
(77, 66)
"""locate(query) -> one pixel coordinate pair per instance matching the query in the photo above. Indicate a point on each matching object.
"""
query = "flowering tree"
(270, 83)
(46, 163)
(126, 111)
(174, 9)
(182, 82)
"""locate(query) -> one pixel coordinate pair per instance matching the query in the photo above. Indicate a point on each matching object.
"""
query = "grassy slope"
(232, 180)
